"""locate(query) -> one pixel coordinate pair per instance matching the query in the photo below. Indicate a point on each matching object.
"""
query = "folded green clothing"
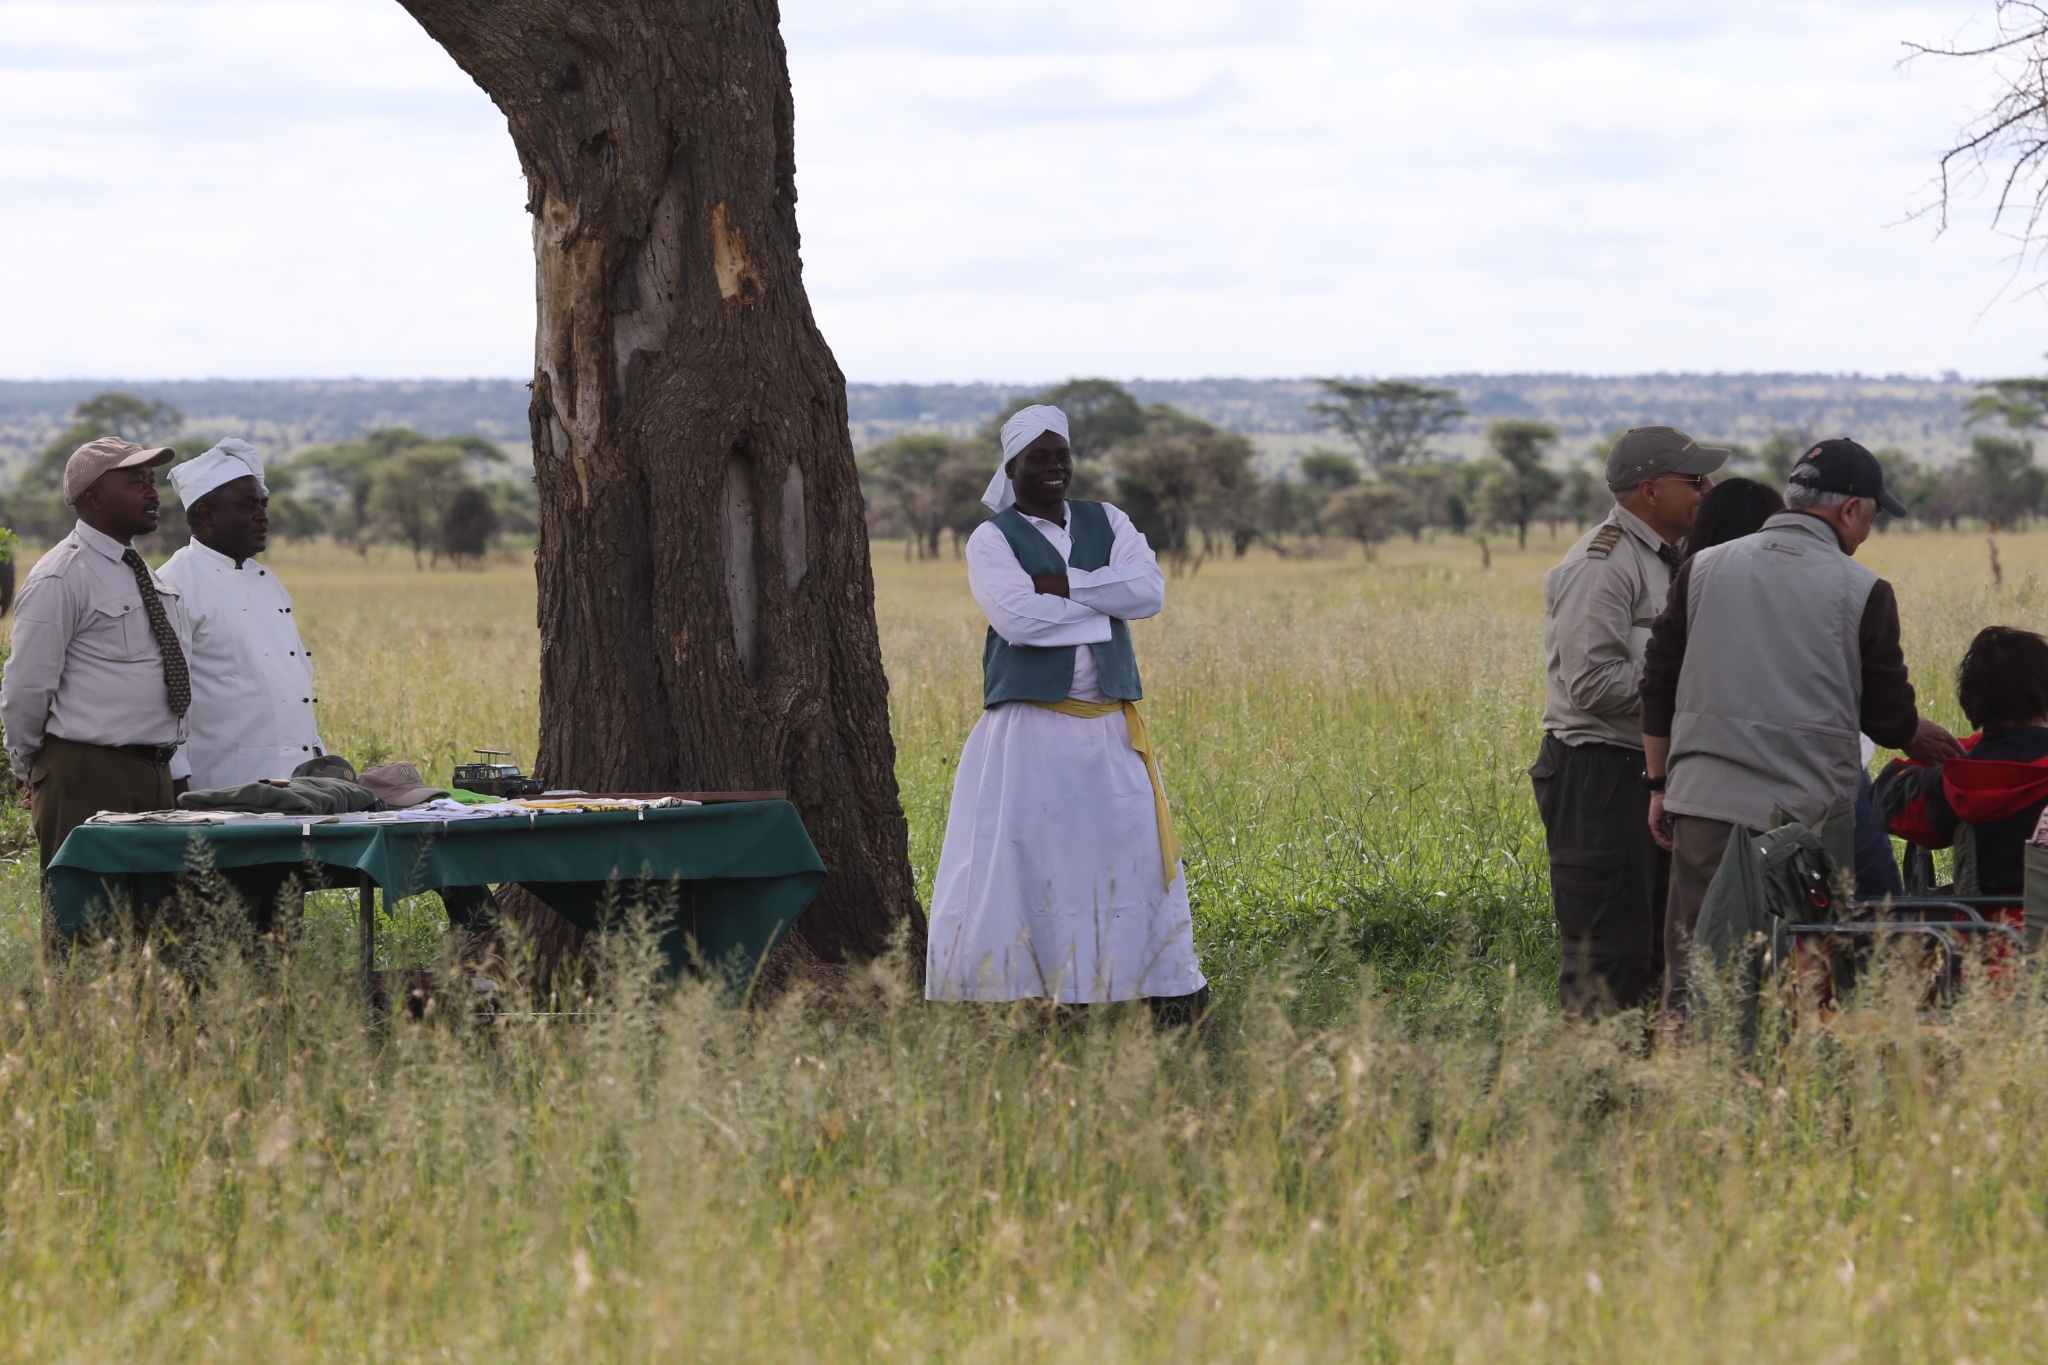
(300, 796)
(470, 798)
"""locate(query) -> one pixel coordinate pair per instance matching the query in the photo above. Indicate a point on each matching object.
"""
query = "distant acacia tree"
(2008, 483)
(1363, 512)
(468, 522)
(935, 483)
(411, 492)
(2021, 403)
(1184, 481)
(1329, 470)
(1583, 497)
(1518, 492)
(1391, 420)
(352, 470)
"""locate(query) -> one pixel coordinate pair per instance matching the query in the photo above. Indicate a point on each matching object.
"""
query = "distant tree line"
(1194, 490)
(440, 497)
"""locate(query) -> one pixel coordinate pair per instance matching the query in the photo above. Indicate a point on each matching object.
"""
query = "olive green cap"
(1652, 452)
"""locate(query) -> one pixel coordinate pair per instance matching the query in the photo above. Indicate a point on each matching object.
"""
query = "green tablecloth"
(744, 870)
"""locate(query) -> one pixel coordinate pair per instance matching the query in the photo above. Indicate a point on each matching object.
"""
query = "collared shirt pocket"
(119, 628)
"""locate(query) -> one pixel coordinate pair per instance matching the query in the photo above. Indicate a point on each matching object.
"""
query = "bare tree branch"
(2006, 144)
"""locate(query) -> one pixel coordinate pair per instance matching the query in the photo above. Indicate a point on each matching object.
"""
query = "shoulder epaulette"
(1603, 542)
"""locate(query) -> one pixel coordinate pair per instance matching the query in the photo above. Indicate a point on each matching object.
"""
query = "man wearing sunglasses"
(1607, 876)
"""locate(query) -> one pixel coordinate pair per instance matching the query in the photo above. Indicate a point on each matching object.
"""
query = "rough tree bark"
(706, 601)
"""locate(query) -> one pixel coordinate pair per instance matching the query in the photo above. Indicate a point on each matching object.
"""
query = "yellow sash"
(1141, 744)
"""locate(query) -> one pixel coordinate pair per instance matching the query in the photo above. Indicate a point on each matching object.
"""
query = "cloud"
(1011, 190)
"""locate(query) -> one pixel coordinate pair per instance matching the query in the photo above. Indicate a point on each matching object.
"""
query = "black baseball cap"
(1843, 466)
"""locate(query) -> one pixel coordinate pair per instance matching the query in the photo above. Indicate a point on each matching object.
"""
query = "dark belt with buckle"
(148, 753)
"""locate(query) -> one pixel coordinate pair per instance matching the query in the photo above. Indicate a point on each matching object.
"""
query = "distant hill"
(1923, 416)
(279, 415)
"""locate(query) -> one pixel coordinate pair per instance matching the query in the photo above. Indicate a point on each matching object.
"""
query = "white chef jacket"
(252, 679)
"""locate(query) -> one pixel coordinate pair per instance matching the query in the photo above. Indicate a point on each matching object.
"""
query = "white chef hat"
(232, 459)
(1025, 426)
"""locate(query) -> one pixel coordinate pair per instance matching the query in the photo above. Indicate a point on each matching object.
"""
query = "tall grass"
(251, 1170)
(1386, 1145)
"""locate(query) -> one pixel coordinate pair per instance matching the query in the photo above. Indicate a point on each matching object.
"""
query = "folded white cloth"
(169, 817)
(443, 808)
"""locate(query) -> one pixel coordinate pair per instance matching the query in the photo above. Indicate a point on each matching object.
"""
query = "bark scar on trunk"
(737, 279)
(741, 583)
(654, 282)
(573, 339)
(794, 559)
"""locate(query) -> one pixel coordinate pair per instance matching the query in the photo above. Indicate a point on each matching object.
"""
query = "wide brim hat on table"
(399, 784)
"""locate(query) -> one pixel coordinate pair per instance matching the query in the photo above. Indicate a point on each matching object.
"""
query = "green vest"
(1034, 673)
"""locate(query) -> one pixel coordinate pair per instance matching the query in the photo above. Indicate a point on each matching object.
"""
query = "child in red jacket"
(1987, 802)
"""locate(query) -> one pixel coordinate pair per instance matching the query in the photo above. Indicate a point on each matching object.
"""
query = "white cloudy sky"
(994, 189)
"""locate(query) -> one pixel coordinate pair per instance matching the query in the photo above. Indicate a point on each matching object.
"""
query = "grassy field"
(1387, 1146)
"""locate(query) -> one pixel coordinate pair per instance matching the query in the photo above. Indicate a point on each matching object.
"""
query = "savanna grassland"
(1385, 1144)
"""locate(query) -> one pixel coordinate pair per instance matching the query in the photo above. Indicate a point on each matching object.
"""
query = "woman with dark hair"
(1987, 802)
(1733, 509)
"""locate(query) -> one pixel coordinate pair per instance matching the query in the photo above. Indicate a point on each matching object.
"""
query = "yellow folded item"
(1141, 744)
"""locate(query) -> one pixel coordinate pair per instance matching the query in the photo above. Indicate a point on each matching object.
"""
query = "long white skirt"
(1050, 884)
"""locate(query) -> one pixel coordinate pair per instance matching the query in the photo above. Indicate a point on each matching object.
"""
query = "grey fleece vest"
(1034, 673)
(1770, 697)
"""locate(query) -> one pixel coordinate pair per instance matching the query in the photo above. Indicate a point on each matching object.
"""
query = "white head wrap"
(1025, 426)
(232, 459)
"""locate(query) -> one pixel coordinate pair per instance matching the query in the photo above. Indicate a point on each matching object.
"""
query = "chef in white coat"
(252, 679)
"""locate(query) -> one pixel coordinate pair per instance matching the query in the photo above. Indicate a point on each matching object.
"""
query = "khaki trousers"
(1697, 846)
(73, 782)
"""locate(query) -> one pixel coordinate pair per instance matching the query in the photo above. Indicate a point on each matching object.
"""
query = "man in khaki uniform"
(96, 690)
(1607, 876)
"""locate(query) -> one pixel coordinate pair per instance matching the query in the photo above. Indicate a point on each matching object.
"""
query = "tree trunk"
(706, 601)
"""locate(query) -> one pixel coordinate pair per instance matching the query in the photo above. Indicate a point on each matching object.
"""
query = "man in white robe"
(252, 679)
(1060, 877)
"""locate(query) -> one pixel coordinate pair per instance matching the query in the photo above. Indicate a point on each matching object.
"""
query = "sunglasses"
(1696, 480)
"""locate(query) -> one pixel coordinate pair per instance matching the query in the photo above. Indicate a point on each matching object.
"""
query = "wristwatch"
(1655, 784)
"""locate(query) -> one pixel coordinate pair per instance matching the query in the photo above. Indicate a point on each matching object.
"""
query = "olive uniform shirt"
(1598, 604)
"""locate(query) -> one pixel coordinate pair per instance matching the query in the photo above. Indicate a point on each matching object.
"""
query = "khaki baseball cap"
(1652, 452)
(398, 785)
(95, 458)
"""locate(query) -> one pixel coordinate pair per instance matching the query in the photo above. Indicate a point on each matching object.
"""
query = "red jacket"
(2000, 786)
